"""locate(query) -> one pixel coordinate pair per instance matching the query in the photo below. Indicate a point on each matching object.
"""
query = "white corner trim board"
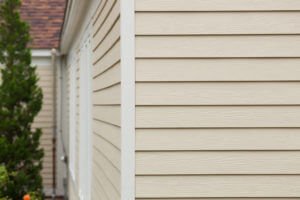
(72, 122)
(127, 100)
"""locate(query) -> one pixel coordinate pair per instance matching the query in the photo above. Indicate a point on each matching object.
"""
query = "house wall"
(217, 95)
(100, 24)
(45, 118)
(106, 101)
(73, 66)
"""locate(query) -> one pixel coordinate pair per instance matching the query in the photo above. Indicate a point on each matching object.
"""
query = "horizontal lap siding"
(217, 46)
(44, 120)
(221, 69)
(229, 139)
(106, 101)
(217, 99)
(224, 199)
(217, 5)
(218, 116)
(220, 23)
(218, 186)
(238, 93)
(223, 162)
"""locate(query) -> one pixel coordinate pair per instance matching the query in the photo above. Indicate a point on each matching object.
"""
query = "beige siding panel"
(109, 114)
(106, 101)
(45, 119)
(217, 139)
(73, 191)
(45, 76)
(45, 70)
(103, 15)
(217, 186)
(217, 101)
(109, 60)
(201, 23)
(42, 125)
(47, 101)
(219, 199)
(97, 191)
(218, 69)
(216, 5)
(108, 96)
(98, 11)
(45, 113)
(110, 190)
(218, 46)
(46, 143)
(110, 171)
(112, 37)
(46, 109)
(43, 122)
(272, 162)
(217, 116)
(108, 78)
(109, 132)
(112, 153)
(47, 85)
(107, 26)
(218, 93)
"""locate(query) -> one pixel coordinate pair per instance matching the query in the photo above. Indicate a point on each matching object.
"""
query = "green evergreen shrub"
(20, 102)
(3, 179)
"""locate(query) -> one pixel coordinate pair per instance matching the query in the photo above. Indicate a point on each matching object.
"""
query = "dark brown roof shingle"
(45, 18)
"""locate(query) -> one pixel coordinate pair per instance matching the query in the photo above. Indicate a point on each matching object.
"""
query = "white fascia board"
(73, 19)
(77, 17)
(127, 100)
(42, 57)
(41, 52)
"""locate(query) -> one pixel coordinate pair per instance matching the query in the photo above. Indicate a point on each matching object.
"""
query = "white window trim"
(128, 99)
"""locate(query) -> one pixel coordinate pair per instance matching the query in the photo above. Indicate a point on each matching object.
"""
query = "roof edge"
(75, 9)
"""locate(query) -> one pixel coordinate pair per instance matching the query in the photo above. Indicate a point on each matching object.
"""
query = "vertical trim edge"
(127, 99)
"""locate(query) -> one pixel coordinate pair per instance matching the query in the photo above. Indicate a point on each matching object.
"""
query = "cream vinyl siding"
(106, 177)
(217, 5)
(44, 120)
(217, 99)
(73, 192)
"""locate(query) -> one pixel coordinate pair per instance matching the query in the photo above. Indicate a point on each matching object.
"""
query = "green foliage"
(3, 178)
(20, 102)
(35, 196)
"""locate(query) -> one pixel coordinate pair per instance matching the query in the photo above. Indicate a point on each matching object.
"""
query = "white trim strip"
(79, 14)
(41, 52)
(128, 100)
(72, 122)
